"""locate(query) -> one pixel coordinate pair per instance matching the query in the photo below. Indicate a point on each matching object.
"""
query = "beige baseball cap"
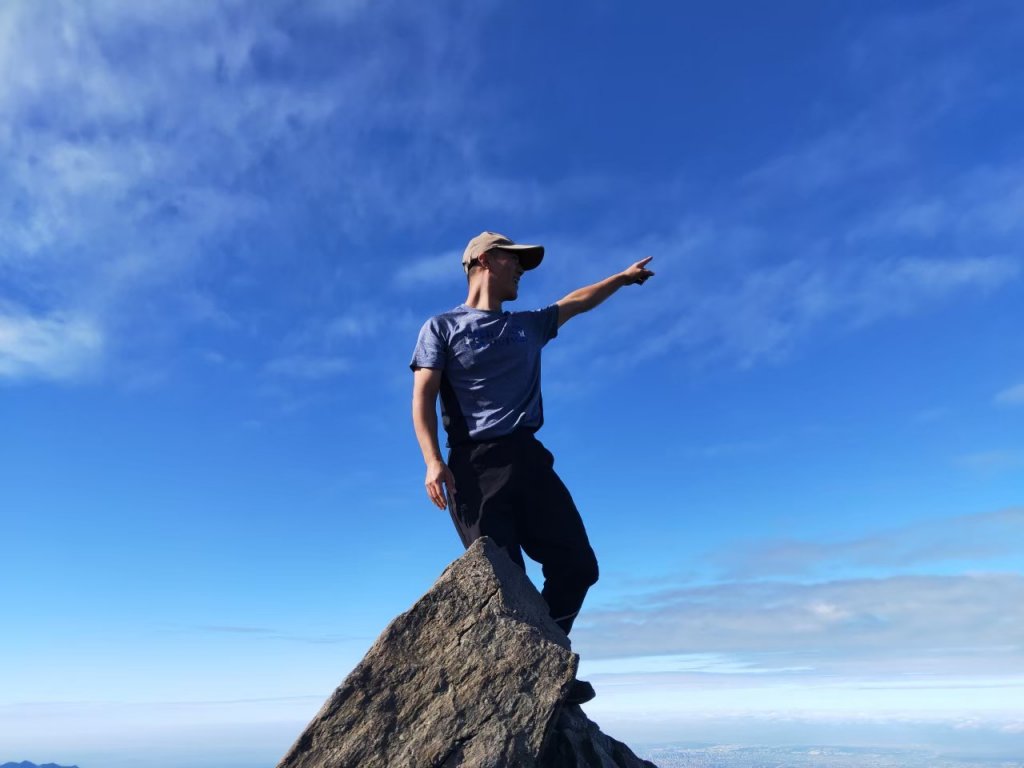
(530, 256)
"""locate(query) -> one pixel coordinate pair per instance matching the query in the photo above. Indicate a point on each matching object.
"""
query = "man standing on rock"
(499, 480)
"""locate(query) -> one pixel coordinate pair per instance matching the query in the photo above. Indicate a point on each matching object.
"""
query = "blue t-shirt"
(490, 363)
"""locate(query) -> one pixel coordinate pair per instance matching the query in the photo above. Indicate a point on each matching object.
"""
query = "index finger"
(644, 261)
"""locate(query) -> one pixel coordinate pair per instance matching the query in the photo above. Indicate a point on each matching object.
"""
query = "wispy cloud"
(53, 346)
(932, 415)
(312, 368)
(761, 314)
(1013, 395)
(326, 343)
(899, 625)
(273, 634)
(429, 271)
(769, 310)
(731, 449)
(854, 224)
(164, 149)
(916, 65)
(251, 155)
(355, 324)
(840, 155)
(779, 611)
(974, 538)
(992, 461)
(236, 630)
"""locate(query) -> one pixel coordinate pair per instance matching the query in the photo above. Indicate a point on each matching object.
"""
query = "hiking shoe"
(580, 692)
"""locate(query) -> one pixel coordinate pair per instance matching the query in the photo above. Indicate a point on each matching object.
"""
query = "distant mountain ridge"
(27, 764)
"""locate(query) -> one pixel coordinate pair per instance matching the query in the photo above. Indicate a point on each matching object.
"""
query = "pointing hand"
(638, 273)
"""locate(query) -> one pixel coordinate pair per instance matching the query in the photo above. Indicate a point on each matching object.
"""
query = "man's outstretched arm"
(585, 299)
(425, 385)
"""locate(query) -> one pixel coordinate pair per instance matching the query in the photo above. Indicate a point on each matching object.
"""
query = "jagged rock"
(472, 675)
(577, 742)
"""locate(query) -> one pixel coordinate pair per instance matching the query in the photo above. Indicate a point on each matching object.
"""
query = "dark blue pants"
(507, 489)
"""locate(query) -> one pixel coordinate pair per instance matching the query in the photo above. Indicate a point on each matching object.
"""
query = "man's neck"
(480, 298)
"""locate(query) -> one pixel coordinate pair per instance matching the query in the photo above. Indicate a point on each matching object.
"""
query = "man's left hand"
(638, 274)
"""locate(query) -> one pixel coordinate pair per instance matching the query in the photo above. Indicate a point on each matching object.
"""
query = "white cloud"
(353, 326)
(916, 65)
(161, 131)
(992, 461)
(48, 347)
(954, 625)
(761, 314)
(966, 538)
(904, 285)
(701, 663)
(850, 226)
(308, 367)
(724, 297)
(843, 154)
(731, 449)
(932, 415)
(896, 629)
(161, 146)
(430, 271)
(1011, 395)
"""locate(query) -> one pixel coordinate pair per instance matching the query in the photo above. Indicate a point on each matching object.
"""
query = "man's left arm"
(585, 299)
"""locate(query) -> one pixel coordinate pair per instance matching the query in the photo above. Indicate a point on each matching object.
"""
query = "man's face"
(505, 273)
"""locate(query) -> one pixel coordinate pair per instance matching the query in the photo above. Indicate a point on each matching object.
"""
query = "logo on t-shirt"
(510, 334)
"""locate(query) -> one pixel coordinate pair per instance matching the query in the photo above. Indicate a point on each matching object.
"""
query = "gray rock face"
(577, 742)
(472, 675)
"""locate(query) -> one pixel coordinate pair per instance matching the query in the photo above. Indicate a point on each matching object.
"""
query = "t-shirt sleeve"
(431, 348)
(547, 322)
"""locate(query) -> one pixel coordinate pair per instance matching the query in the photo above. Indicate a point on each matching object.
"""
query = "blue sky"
(798, 449)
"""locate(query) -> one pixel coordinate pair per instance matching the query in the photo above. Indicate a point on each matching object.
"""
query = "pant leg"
(553, 534)
(487, 500)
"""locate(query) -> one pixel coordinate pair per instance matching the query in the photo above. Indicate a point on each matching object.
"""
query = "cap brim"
(530, 256)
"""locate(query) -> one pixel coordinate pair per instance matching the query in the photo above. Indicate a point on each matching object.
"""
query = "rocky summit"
(474, 675)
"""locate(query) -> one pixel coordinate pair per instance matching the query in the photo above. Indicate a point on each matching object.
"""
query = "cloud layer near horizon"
(913, 623)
